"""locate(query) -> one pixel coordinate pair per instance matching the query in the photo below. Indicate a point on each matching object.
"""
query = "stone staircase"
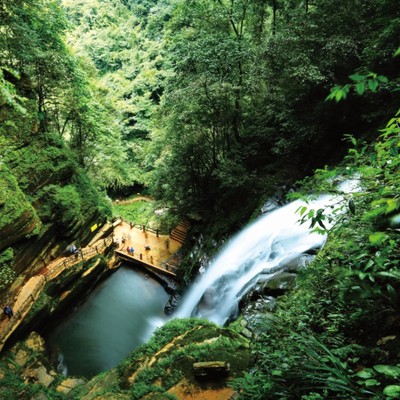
(180, 231)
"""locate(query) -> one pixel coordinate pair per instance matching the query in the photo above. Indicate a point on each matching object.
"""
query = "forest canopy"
(216, 100)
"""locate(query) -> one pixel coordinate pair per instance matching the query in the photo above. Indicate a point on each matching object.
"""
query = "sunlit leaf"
(388, 370)
(392, 391)
(365, 373)
(377, 238)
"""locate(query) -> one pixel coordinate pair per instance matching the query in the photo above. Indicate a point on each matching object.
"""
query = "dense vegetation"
(336, 336)
(51, 127)
(211, 105)
(218, 100)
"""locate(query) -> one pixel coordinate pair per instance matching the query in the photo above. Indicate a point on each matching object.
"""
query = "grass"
(142, 212)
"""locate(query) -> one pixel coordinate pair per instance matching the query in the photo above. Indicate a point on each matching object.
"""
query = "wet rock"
(279, 284)
(35, 342)
(299, 263)
(247, 333)
(45, 377)
(271, 205)
(38, 375)
(172, 303)
(211, 369)
(22, 357)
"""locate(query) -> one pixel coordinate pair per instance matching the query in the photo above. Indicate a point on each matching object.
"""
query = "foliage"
(144, 212)
(167, 358)
(14, 205)
(7, 274)
(348, 298)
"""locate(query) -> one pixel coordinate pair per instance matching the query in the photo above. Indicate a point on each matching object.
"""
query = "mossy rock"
(17, 216)
(169, 356)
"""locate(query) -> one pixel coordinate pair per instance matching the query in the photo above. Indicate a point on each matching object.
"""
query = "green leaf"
(387, 370)
(372, 382)
(365, 373)
(373, 84)
(392, 391)
(397, 52)
(390, 274)
(377, 238)
(357, 77)
(360, 88)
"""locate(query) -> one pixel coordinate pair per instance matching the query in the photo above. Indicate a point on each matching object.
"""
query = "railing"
(145, 228)
(54, 270)
(171, 268)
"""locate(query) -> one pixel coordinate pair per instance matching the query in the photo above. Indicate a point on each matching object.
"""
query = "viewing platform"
(167, 269)
(153, 249)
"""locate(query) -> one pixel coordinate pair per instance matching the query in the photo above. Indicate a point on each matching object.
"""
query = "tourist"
(8, 311)
(132, 250)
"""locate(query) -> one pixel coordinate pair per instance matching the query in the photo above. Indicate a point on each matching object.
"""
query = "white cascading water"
(256, 253)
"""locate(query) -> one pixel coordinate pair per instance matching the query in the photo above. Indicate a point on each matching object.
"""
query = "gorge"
(209, 109)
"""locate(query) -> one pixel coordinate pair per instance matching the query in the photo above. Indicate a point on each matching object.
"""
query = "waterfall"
(258, 252)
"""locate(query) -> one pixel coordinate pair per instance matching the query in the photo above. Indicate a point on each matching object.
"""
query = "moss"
(7, 274)
(182, 342)
(14, 206)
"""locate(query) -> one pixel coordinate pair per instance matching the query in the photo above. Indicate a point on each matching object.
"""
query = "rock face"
(172, 303)
(17, 216)
(28, 369)
(211, 369)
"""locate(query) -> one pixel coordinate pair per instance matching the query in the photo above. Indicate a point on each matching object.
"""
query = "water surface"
(115, 319)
